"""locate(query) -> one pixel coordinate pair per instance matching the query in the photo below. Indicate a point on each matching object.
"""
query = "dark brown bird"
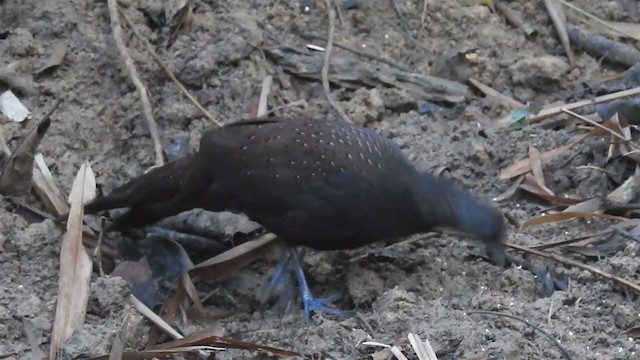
(319, 183)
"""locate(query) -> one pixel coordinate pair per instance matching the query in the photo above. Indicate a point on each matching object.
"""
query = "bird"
(319, 183)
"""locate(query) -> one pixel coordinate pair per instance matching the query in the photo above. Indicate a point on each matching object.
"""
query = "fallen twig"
(557, 109)
(565, 353)
(600, 46)
(570, 262)
(133, 75)
(559, 20)
(514, 18)
(358, 52)
(327, 61)
(489, 91)
(169, 74)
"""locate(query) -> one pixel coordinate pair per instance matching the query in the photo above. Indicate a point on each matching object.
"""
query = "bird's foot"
(310, 302)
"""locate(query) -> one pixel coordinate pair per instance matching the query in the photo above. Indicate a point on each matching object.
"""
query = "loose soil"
(422, 285)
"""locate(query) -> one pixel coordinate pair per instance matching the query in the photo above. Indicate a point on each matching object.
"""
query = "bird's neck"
(445, 204)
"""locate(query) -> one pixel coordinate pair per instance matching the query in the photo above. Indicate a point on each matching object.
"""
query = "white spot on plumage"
(349, 156)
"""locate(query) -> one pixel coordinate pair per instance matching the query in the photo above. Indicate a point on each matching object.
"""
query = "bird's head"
(453, 207)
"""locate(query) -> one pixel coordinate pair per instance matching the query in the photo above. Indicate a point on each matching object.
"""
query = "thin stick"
(555, 110)
(327, 61)
(169, 74)
(567, 261)
(358, 52)
(489, 91)
(133, 75)
(565, 353)
(591, 122)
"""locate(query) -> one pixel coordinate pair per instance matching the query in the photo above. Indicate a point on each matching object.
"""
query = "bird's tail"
(161, 192)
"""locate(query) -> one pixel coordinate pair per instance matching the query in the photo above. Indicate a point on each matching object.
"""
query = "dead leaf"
(618, 147)
(530, 185)
(587, 206)
(233, 259)
(536, 168)
(59, 51)
(563, 216)
(524, 165)
(510, 190)
(626, 192)
(75, 264)
(54, 203)
(209, 337)
(16, 174)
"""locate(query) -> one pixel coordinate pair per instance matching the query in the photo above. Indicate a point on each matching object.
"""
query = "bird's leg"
(280, 271)
(310, 302)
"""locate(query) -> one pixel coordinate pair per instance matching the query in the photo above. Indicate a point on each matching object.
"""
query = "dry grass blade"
(559, 19)
(75, 264)
(54, 203)
(536, 168)
(264, 95)
(626, 192)
(18, 170)
(209, 337)
(158, 354)
(190, 289)
(231, 260)
(568, 215)
(397, 353)
(423, 350)
(570, 262)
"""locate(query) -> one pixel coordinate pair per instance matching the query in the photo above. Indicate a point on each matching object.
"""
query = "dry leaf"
(587, 206)
(529, 184)
(510, 190)
(51, 200)
(75, 265)
(563, 216)
(16, 174)
(626, 192)
(536, 168)
(209, 337)
(524, 165)
(617, 147)
(233, 259)
(59, 51)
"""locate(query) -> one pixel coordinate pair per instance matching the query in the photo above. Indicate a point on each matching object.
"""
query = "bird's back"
(319, 183)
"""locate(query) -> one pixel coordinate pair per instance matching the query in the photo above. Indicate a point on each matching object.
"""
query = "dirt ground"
(423, 286)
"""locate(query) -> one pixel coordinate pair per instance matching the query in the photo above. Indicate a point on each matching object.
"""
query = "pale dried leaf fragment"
(52, 201)
(536, 168)
(12, 107)
(524, 165)
(75, 264)
(626, 192)
(559, 19)
(619, 147)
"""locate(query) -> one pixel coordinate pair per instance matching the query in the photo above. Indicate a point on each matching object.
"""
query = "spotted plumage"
(320, 183)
